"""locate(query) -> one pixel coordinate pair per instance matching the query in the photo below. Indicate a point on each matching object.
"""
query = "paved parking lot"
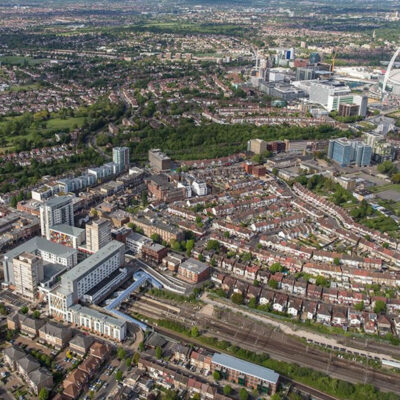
(12, 299)
(26, 342)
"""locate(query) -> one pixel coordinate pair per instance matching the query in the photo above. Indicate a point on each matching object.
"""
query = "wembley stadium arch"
(389, 70)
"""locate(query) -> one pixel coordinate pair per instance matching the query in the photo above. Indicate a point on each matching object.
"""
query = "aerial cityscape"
(200, 199)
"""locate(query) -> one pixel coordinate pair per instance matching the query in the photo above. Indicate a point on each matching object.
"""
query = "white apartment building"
(199, 188)
(48, 251)
(58, 210)
(28, 272)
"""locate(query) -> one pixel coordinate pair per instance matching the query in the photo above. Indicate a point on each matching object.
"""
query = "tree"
(252, 302)
(196, 396)
(396, 178)
(273, 284)
(3, 309)
(155, 237)
(135, 358)
(243, 394)
(118, 376)
(121, 353)
(36, 314)
(213, 245)
(276, 267)
(158, 352)
(359, 306)
(13, 202)
(43, 394)
(194, 332)
(379, 307)
(128, 362)
(141, 346)
(216, 375)
(227, 390)
(336, 261)
(189, 247)
(322, 281)
(24, 309)
(387, 167)
(237, 298)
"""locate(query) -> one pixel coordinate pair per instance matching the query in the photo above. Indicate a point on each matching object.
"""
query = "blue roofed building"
(244, 373)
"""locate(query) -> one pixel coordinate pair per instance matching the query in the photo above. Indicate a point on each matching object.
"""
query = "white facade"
(199, 188)
(58, 210)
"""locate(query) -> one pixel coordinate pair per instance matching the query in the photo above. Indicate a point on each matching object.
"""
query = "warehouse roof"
(245, 367)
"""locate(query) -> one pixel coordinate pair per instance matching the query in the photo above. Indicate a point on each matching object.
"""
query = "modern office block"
(159, 161)
(346, 152)
(121, 157)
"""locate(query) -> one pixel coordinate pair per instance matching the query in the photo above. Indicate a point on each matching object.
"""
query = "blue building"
(346, 152)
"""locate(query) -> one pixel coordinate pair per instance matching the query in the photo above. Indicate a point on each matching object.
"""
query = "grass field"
(20, 88)
(20, 60)
(53, 124)
(61, 124)
(390, 186)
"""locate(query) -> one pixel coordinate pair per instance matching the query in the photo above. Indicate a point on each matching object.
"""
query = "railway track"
(278, 345)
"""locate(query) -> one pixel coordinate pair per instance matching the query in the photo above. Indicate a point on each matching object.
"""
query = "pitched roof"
(14, 353)
(81, 341)
(28, 363)
(56, 330)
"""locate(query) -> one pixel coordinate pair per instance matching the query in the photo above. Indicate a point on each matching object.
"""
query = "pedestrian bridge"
(140, 277)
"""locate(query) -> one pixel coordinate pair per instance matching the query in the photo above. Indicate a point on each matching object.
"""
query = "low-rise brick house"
(244, 373)
(193, 271)
(384, 325)
(11, 355)
(154, 253)
(330, 295)
(300, 287)
(309, 310)
(324, 314)
(241, 288)
(76, 377)
(71, 391)
(40, 378)
(80, 344)
(266, 297)
(28, 325)
(90, 365)
(339, 316)
(280, 302)
(200, 360)
(55, 334)
(100, 350)
(314, 291)
(294, 306)
(26, 365)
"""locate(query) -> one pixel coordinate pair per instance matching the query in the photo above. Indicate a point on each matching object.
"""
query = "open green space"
(17, 132)
(20, 60)
(390, 186)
